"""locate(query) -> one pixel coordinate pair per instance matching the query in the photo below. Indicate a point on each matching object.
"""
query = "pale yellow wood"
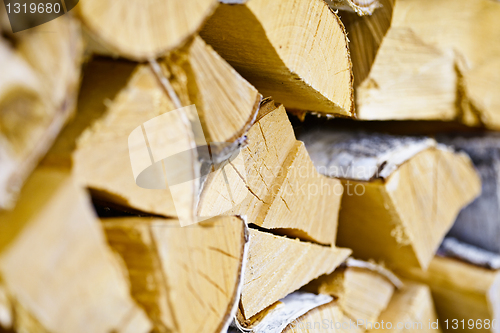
(462, 291)
(280, 188)
(365, 35)
(57, 271)
(38, 88)
(440, 52)
(362, 294)
(404, 218)
(185, 278)
(295, 51)
(278, 266)
(326, 318)
(227, 105)
(412, 306)
(143, 29)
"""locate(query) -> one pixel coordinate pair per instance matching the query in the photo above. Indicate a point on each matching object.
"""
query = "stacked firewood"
(255, 166)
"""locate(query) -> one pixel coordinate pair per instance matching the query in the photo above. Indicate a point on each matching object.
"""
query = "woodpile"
(180, 166)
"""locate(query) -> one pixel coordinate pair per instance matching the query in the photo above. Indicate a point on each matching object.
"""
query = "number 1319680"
(33, 8)
(470, 324)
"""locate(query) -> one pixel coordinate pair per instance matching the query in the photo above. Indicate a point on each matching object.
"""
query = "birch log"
(57, 273)
(462, 291)
(413, 306)
(226, 104)
(278, 266)
(362, 291)
(401, 194)
(479, 223)
(281, 189)
(441, 50)
(38, 88)
(295, 51)
(187, 279)
(156, 27)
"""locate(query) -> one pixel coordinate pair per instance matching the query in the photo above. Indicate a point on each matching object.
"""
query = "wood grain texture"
(462, 291)
(227, 105)
(280, 189)
(278, 266)
(154, 27)
(57, 271)
(361, 294)
(295, 51)
(438, 49)
(38, 89)
(186, 279)
(413, 306)
(401, 218)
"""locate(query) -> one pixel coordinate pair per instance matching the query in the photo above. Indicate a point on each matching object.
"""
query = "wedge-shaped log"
(411, 306)
(225, 102)
(57, 271)
(479, 223)
(401, 194)
(282, 190)
(38, 88)
(429, 52)
(462, 291)
(301, 59)
(187, 279)
(157, 27)
(362, 290)
(278, 266)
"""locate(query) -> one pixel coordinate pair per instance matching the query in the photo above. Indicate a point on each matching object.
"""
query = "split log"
(187, 279)
(227, 106)
(38, 88)
(278, 266)
(301, 59)
(281, 189)
(479, 223)
(441, 50)
(462, 291)
(401, 194)
(360, 7)
(57, 272)
(362, 290)
(155, 28)
(412, 306)
(365, 36)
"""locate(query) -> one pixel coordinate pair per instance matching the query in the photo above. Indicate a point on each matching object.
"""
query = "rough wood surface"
(479, 223)
(360, 7)
(281, 189)
(38, 88)
(441, 50)
(227, 105)
(462, 291)
(295, 51)
(155, 27)
(413, 306)
(361, 293)
(405, 214)
(57, 272)
(187, 279)
(278, 266)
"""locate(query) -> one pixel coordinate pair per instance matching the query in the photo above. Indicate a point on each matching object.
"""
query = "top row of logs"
(402, 59)
(391, 52)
